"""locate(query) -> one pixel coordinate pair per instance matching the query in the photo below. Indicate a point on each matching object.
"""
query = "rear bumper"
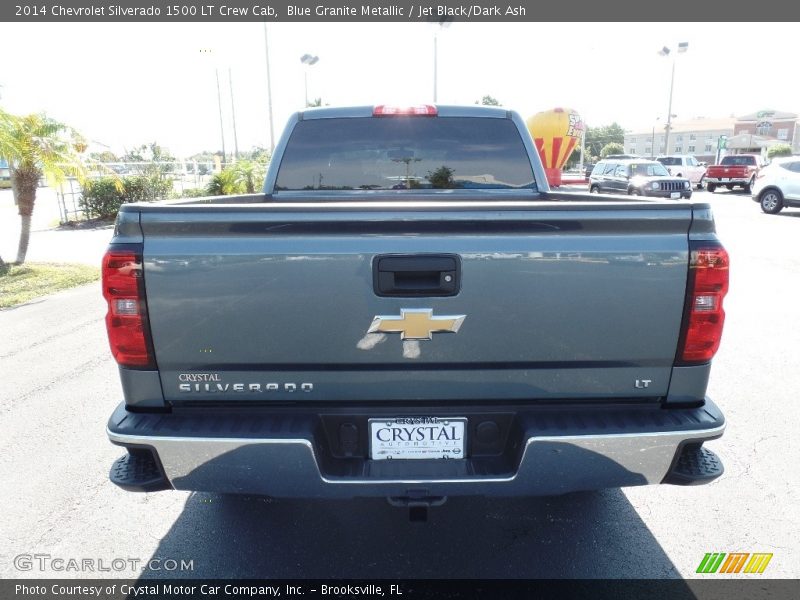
(547, 450)
(685, 194)
(728, 180)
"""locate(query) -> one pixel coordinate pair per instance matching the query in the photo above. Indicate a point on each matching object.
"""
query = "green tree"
(442, 178)
(611, 148)
(488, 100)
(36, 146)
(597, 137)
(257, 154)
(779, 150)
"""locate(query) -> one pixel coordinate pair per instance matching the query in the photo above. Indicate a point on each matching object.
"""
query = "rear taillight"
(704, 316)
(126, 321)
(423, 110)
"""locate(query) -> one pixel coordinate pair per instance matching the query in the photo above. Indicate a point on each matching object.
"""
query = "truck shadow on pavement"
(576, 535)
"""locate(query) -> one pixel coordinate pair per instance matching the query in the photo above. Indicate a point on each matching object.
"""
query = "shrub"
(250, 174)
(225, 183)
(193, 193)
(102, 197)
(244, 177)
(779, 150)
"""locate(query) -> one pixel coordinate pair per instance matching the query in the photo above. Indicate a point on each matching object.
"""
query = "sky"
(124, 84)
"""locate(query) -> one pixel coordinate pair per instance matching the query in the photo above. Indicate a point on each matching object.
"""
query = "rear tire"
(749, 185)
(701, 183)
(594, 189)
(710, 187)
(771, 201)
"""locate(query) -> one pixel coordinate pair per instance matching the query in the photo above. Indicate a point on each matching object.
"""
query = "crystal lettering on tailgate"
(199, 377)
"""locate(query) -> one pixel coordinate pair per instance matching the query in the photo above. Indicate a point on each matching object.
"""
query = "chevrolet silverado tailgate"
(282, 302)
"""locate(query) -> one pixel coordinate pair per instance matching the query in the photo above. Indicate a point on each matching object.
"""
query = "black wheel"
(633, 191)
(701, 183)
(749, 185)
(711, 187)
(594, 189)
(771, 201)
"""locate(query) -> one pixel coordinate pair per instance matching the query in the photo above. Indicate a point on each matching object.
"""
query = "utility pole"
(233, 116)
(221, 126)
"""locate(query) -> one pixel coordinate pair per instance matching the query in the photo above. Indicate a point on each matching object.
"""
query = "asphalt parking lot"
(59, 385)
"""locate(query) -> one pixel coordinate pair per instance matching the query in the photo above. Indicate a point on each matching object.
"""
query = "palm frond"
(38, 142)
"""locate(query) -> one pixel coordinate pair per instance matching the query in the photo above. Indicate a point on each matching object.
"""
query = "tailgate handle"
(417, 275)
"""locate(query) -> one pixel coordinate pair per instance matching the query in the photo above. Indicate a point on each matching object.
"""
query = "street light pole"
(308, 61)
(435, 66)
(269, 93)
(682, 47)
(443, 22)
(669, 110)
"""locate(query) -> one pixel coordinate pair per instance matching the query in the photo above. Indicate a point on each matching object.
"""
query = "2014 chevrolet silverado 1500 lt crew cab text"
(408, 311)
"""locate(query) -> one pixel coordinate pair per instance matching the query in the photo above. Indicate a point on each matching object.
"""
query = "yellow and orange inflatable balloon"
(555, 132)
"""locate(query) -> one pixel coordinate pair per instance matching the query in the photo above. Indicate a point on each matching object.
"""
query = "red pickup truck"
(734, 170)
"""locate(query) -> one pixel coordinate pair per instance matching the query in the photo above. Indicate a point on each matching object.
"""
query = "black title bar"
(339, 11)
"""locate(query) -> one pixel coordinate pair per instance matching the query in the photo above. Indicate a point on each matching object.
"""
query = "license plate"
(417, 437)
(725, 179)
(675, 195)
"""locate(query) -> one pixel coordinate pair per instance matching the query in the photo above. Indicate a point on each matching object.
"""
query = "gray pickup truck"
(408, 312)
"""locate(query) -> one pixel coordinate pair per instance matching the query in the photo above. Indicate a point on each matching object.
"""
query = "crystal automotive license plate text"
(417, 437)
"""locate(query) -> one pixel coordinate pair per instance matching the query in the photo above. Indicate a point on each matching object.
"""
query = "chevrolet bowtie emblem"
(416, 324)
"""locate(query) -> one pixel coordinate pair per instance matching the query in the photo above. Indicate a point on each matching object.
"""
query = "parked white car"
(778, 185)
(685, 165)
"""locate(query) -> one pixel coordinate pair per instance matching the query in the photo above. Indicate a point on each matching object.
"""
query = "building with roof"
(760, 130)
(752, 133)
(699, 137)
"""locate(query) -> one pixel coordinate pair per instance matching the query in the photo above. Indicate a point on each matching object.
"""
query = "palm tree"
(35, 146)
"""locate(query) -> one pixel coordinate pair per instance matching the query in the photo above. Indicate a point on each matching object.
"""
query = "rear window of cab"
(405, 153)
